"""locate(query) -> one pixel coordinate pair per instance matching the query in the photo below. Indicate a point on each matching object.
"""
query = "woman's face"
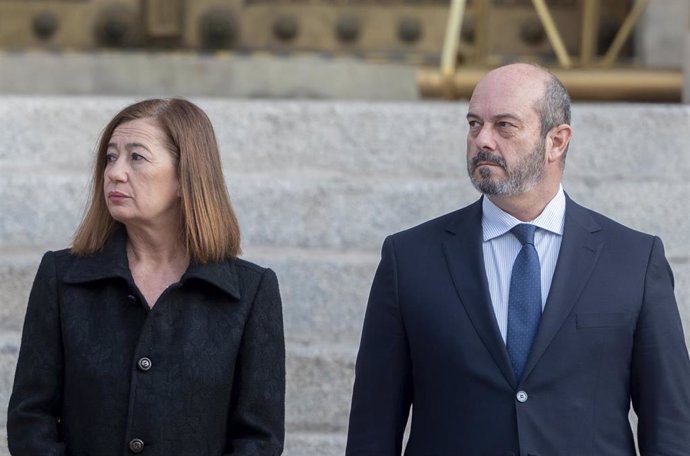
(140, 182)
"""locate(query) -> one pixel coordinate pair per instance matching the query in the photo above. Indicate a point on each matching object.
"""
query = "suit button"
(144, 364)
(131, 299)
(136, 446)
(521, 396)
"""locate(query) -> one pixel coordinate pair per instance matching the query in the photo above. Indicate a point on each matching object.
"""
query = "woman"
(149, 335)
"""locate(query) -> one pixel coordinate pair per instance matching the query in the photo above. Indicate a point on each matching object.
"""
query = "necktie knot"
(524, 232)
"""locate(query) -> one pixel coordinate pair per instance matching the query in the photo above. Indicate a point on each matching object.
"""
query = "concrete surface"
(192, 74)
(660, 33)
(317, 186)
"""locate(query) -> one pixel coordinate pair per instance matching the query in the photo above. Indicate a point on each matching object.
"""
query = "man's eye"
(474, 123)
(505, 124)
(137, 157)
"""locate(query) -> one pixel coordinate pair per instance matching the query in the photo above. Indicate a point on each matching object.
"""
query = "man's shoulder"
(603, 223)
(451, 222)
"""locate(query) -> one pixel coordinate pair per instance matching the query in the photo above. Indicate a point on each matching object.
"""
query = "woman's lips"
(117, 196)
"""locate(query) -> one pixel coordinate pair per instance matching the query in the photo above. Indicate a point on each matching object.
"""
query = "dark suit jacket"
(214, 382)
(610, 333)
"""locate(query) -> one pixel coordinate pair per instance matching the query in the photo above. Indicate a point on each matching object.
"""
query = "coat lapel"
(110, 262)
(579, 252)
(465, 258)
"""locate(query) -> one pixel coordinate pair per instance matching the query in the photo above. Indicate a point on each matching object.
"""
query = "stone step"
(324, 292)
(421, 139)
(227, 74)
(317, 187)
(274, 210)
(314, 444)
(343, 213)
(318, 383)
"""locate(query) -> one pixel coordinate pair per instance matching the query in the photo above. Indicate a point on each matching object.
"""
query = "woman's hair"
(210, 229)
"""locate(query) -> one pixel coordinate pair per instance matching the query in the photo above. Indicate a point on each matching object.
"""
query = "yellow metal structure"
(588, 77)
(387, 29)
(604, 84)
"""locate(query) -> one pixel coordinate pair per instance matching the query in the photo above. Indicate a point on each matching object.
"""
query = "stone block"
(355, 139)
(324, 293)
(42, 210)
(46, 134)
(347, 139)
(319, 387)
(655, 207)
(3, 442)
(343, 213)
(9, 350)
(16, 276)
(314, 444)
(629, 142)
(166, 74)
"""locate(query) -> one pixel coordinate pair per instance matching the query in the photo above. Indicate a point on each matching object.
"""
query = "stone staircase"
(317, 186)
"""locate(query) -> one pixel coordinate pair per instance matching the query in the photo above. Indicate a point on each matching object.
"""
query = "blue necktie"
(524, 301)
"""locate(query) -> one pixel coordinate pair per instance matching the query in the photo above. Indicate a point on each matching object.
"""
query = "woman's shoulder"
(248, 271)
(53, 264)
(58, 257)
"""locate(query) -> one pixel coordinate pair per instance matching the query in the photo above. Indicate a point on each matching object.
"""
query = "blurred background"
(339, 122)
(361, 49)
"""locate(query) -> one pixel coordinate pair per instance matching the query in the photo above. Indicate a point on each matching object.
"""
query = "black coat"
(99, 374)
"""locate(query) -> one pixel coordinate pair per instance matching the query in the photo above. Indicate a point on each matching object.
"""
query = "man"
(523, 324)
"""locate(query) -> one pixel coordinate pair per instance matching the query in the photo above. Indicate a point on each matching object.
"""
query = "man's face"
(505, 149)
(515, 179)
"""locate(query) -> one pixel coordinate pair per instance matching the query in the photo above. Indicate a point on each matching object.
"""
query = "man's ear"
(557, 142)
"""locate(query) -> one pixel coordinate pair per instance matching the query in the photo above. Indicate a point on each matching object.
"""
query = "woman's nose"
(116, 170)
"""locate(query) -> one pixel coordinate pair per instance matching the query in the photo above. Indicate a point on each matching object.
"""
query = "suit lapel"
(465, 258)
(578, 255)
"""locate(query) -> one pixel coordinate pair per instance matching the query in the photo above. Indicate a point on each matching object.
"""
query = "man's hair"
(554, 107)
(209, 226)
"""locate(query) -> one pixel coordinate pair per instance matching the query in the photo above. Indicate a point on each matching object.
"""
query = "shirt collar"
(496, 222)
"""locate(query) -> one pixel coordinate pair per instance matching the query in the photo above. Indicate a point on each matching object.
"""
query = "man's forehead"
(496, 106)
(505, 94)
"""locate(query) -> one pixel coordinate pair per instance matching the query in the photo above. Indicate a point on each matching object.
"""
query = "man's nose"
(484, 139)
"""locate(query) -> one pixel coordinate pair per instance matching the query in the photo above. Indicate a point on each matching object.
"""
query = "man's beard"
(520, 178)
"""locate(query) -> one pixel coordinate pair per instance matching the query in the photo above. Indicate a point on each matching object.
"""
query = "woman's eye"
(109, 158)
(137, 157)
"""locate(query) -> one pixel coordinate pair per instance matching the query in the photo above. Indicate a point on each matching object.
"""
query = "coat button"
(131, 299)
(521, 396)
(136, 446)
(144, 364)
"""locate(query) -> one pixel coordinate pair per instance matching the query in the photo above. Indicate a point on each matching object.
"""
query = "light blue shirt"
(501, 248)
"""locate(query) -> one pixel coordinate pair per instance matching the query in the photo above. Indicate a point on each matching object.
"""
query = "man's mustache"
(488, 157)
